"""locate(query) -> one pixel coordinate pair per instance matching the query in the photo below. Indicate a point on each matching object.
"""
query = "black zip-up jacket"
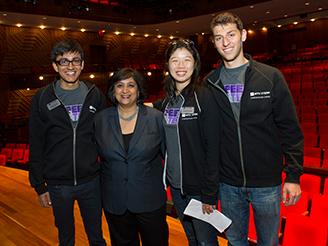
(59, 152)
(252, 150)
(198, 133)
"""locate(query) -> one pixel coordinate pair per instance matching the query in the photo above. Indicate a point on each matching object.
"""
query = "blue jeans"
(235, 202)
(198, 232)
(88, 197)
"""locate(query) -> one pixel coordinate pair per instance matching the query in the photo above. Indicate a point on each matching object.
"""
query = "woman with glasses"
(131, 142)
(192, 127)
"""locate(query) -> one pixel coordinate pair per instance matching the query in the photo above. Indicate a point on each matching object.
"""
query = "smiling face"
(126, 92)
(181, 66)
(69, 74)
(228, 41)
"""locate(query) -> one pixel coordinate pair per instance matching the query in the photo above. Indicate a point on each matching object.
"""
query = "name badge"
(187, 110)
(53, 104)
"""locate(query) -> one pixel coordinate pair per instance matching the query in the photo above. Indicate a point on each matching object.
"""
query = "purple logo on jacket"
(74, 111)
(234, 92)
(172, 115)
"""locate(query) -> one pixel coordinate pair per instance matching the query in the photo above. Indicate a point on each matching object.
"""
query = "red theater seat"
(21, 146)
(320, 101)
(323, 119)
(325, 191)
(323, 109)
(7, 152)
(325, 164)
(311, 140)
(25, 158)
(309, 127)
(300, 208)
(310, 184)
(303, 231)
(3, 160)
(309, 117)
(312, 156)
(308, 109)
(319, 208)
(323, 128)
(323, 143)
(168, 194)
(17, 155)
(10, 145)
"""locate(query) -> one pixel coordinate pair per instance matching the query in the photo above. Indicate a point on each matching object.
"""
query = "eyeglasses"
(66, 62)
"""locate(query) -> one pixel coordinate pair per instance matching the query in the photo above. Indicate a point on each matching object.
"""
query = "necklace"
(130, 117)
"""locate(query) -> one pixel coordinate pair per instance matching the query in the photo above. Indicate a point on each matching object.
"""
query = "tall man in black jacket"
(63, 166)
(260, 127)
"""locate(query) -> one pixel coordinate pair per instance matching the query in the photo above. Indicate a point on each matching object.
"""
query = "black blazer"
(131, 179)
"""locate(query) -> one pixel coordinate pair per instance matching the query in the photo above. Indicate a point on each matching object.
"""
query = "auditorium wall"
(24, 52)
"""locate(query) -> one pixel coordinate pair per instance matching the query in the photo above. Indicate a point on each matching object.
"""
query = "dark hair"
(169, 82)
(226, 18)
(66, 46)
(123, 74)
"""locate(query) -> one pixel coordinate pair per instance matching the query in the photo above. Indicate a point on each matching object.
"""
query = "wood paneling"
(26, 50)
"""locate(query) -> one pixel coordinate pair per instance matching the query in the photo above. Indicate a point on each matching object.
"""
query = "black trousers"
(150, 226)
(88, 197)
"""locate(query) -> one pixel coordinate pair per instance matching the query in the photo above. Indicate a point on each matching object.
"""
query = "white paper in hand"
(216, 219)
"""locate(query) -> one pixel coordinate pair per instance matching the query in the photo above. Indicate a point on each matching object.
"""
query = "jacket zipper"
(74, 130)
(180, 158)
(241, 154)
(239, 136)
(74, 152)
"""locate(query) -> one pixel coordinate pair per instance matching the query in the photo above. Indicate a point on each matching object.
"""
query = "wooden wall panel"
(25, 49)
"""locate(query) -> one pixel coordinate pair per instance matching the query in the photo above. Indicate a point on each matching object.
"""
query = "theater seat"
(300, 208)
(319, 208)
(311, 184)
(303, 231)
(312, 157)
(7, 152)
(325, 191)
(18, 154)
(25, 158)
(21, 146)
(10, 145)
(3, 160)
(325, 162)
(324, 140)
(311, 140)
(168, 194)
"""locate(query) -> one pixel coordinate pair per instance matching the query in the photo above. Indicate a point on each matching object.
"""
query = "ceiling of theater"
(169, 17)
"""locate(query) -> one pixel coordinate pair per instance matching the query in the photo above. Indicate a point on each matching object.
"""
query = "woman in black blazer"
(130, 139)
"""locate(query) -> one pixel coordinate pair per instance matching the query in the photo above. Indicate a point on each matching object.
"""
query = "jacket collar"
(138, 131)
(88, 84)
(214, 75)
(212, 79)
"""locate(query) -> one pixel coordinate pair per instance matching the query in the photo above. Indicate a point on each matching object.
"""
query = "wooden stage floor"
(24, 222)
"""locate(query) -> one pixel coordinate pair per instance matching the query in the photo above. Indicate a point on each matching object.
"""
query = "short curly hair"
(226, 18)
